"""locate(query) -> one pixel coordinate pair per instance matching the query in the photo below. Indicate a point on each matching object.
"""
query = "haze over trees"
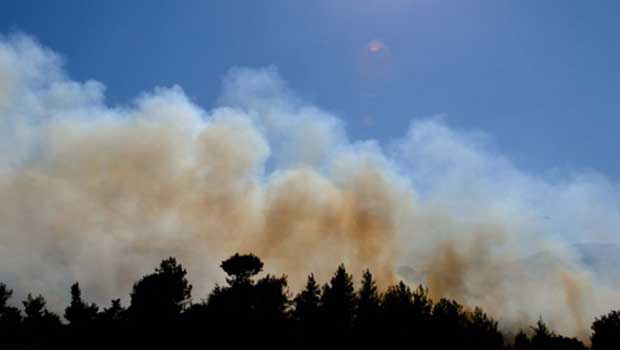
(251, 311)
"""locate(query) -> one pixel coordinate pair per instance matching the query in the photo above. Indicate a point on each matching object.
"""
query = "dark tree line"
(251, 311)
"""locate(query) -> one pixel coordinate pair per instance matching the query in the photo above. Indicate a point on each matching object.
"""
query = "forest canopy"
(250, 311)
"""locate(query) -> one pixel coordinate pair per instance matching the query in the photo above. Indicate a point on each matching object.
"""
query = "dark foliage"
(545, 339)
(40, 327)
(481, 332)
(306, 314)
(307, 303)
(338, 301)
(10, 318)
(160, 296)
(241, 268)
(398, 313)
(79, 313)
(606, 332)
(368, 312)
(258, 312)
(522, 342)
(246, 310)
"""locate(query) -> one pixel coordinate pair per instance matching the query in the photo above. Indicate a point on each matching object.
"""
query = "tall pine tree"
(368, 303)
(368, 311)
(338, 303)
(307, 302)
(79, 313)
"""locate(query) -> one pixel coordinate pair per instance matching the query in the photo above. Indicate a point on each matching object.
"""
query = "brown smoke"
(100, 195)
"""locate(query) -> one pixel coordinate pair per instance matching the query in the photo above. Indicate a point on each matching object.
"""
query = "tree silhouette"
(257, 310)
(114, 312)
(368, 311)
(307, 311)
(565, 343)
(271, 299)
(270, 304)
(80, 316)
(160, 296)
(542, 338)
(5, 295)
(237, 298)
(545, 339)
(449, 324)
(398, 313)
(522, 341)
(256, 313)
(241, 268)
(368, 302)
(398, 301)
(40, 325)
(10, 317)
(111, 323)
(606, 331)
(34, 307)
(35, 311)
(422, 304)
(79, 313)
(338, 301)
(307, 302)
(482, 332)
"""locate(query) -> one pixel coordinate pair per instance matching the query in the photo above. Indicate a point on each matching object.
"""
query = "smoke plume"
(100, 194)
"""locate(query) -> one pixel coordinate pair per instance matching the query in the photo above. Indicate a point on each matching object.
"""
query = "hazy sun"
(375, 46)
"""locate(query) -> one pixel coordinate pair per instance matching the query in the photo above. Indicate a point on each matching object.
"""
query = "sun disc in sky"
(375, 46)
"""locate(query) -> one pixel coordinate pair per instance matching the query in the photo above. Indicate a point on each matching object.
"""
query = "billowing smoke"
(100, 194)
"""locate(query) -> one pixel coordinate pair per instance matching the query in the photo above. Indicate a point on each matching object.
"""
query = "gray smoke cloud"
(100, 194)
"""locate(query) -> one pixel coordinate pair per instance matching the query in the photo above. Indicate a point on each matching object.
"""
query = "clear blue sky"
(541, 77)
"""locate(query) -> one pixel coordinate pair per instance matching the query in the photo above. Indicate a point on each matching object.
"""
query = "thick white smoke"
(100, 194)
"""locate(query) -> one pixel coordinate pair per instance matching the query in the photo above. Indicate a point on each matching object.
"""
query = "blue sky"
(541, 77)
(522, 161)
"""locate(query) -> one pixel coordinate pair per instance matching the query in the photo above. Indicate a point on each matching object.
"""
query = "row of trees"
(248, 312)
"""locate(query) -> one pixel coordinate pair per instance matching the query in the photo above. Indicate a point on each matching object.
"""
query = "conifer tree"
(40, 325)
(522, 341)
(368, 302)
(307, 302)
(482, 332)
(10, 317)
(161, 296)
(338, 301)
(543, 337)
(114, 312)
(606, 332)
(78, 313)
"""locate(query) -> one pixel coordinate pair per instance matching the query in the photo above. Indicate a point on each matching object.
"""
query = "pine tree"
(34, 308)
(398, 302)
(5, 295)
(422, 305)
(338, 303)
(161, 296)
(114, 312)
(10, 317)
(368, 303)
(543, 337)
(397, 308)
(482, 332)
(270, 298)
(449, 324)
(241, 268)
(522, 341)
(307, 302)
(40, 325)
(79, 313)
(606, 332)
(368, 312)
